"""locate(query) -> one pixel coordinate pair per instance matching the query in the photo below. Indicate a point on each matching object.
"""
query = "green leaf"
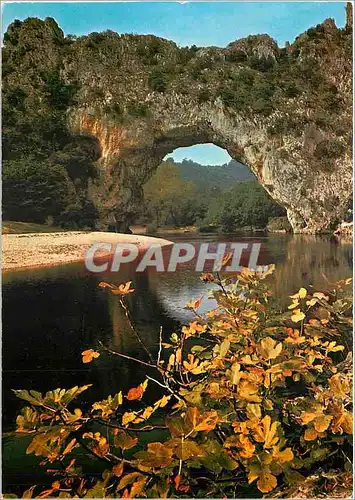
(224, 348)
(32, 397)
(98, 491)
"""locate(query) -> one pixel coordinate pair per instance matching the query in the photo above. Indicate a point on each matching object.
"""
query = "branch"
(146, 428)
(127, 357)
(126, 311)
(160, 344)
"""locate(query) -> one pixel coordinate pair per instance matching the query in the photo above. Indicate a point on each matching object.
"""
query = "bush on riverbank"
(279, 225)
(253, 401)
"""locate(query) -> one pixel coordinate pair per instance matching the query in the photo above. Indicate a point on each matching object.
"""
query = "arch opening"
(201, 187)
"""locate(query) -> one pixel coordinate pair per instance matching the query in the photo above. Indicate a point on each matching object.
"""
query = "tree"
(170, 200)
(246, 204)
(34, 190)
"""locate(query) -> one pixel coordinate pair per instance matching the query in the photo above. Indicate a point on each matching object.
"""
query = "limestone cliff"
(285, 112)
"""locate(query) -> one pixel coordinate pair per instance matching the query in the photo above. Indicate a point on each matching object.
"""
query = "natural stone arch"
(282, 145)
(130, 155)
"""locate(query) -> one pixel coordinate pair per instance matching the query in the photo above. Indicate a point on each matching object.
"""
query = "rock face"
(285, 112)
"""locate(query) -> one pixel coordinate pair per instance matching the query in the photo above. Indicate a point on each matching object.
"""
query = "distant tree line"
(170, 200)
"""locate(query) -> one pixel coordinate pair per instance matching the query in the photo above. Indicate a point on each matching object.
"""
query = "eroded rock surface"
(285, 112)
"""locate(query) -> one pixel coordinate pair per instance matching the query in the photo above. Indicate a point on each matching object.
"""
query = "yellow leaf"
(157, 455)
(340, 386)
(308, 417)
(293, 305)
(347, 422)
(148, 412)
(268, 348)
(302, 293)
(268, 404)
(311, 302)
(248, 391)
(128, 417)
(191, 364)
(247, 447)
(103, 284)
(201, 423)
(194, 304)
(123, 289)
(162, 402)
(322, 422)
(266, 482)
(266, 432)
(310, 435)
(124, 441)
(253, 411)
(224, 348)
(297, 316)
(283, 456)
(127, 480)
(137, 487)
(185, 449)
(235, 373)
(117, 469)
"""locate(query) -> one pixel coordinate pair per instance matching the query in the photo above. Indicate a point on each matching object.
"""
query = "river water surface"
(51, 315)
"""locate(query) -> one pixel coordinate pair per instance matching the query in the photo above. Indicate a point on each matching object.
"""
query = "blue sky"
(199, 23)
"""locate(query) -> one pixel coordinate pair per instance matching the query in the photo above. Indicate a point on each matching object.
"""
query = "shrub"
(150, 50)
(137, 109)
(114, 111)
(276, 224)
(329, 149)
(157, 81)
(236, 56)
(209, 228)
(248, 395)
(262, 63)
(203, 96)
(263, 106)
(151, 228)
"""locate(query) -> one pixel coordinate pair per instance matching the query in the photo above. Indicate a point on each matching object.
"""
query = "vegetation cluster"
(172, 200)
(254, 401)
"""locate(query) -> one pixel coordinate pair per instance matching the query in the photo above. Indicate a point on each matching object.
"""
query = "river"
(51, 315)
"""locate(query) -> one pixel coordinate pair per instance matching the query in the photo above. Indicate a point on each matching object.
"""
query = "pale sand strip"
(50, 249)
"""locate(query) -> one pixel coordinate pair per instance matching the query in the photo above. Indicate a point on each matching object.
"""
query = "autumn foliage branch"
(253, 402)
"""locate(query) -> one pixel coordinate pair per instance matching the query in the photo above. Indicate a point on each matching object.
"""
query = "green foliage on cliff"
(219, 176)
(34, 190)
(46, 167)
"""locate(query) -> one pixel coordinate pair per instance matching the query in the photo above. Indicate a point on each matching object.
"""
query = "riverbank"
(20, 251)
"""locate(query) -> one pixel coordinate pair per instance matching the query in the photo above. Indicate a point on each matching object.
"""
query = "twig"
(160, 344)
(146, 428)
(125, 308)
(165, 386)
(127, 357)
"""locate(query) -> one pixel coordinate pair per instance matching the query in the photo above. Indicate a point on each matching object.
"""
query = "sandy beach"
(50, 249)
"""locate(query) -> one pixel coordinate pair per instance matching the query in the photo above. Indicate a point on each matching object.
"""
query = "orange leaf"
(135, 393)
(310, 435)
(117, 469)
(89, 355)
